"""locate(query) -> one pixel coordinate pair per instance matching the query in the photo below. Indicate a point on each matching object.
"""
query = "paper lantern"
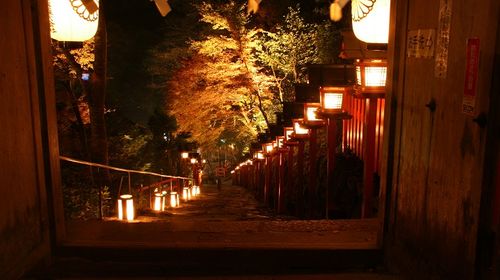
(174, 199)
(370, 20)
(126, 206)
(73, 20)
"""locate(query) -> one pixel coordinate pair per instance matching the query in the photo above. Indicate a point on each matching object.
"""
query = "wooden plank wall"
(25, 74)
(435, 159)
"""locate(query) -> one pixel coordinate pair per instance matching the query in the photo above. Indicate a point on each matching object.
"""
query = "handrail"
(120, 169)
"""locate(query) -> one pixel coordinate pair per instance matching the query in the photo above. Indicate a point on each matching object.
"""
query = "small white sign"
(421, 43)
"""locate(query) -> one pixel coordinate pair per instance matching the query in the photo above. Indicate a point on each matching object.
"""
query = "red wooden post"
(267, 178)
(313, 158)
(300, 174)
(332, 144)
(369, 137)
(281, 182)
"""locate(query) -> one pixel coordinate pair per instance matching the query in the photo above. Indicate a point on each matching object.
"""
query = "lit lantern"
(370, 77)
(310, 117)
(268, 148)
(174, 199)
(331, 99)
(126, 206)
(159, 201)
(195, 191)
(259, 155)
(280, 140)
(194, 160)
(299, 131)
(184, 155)
(186, 194)
(232, 171)
(370, 20)
(73, 20)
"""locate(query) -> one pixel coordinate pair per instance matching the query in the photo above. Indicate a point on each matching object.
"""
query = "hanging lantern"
(299, 131)
(370, 77)
(174, 199)
(311, 118)
(73, 20)
(370, 20)
(126, 206)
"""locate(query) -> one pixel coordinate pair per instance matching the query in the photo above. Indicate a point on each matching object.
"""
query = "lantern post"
(290, 143)
(300, 133)
(370, 84)
(331, 100)
(268, 152)
(313, 122)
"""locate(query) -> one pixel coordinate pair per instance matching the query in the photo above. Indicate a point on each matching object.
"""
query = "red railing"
(353, 128)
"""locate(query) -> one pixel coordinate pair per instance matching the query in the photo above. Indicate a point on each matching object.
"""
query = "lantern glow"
(288, 131)
(371, 76)
(332, 98)
(174, 199)
(159, 202)
(280, 140)
(311, 118)
(126, 204)
(299, 130)
(194, 161)
(370, 20)
(73, 20)
(184, 155)
(259, 155)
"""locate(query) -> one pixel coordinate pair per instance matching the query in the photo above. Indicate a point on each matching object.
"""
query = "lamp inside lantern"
(159, 202)
(331, 99)
(299, 130)
(370, 20)
(371, 76)
(73, 20)
(268, 147)
(259, 155)
(184, 155)
(310, 115)
(174, 199)
(280, 140)
(186, 193)
(126, 206)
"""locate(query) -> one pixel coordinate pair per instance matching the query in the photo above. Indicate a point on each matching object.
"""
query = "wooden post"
(313, 155)
(267, 178)
(369, 156)
(300, 174)
(332, 145)
(281, 182)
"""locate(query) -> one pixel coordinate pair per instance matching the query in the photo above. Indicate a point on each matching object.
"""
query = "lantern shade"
(268, 148)
(259, 155)
(159, 202)
(299, 131)
(311, 118)
(370, 20)
(371, 77)
(174, 199)
(332, 99)
(126, 206)
(73, 20)
(280, 141)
